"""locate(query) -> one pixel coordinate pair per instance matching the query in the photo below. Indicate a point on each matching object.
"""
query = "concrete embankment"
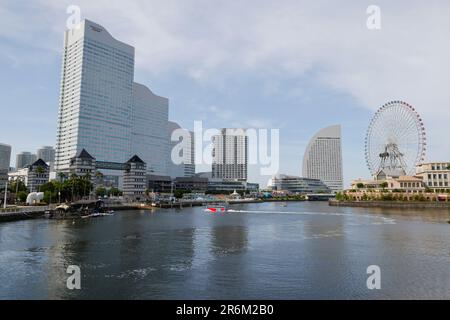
(14, 216)
(391, 204)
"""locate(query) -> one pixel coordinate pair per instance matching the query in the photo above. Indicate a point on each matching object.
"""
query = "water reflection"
(305, 250)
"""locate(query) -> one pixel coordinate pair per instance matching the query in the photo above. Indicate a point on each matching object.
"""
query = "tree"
(61, 176)
(40, 170)
(100, 192)
(387, 197)
(98, 177)
(87, 185)
(360, 185)
(22, 196)
(17, 186)
(384, 185)
(49, 186)
(340, 196)
(115, 192)
(179, 193)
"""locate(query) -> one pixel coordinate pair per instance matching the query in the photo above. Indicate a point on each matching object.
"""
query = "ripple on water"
(135, 274)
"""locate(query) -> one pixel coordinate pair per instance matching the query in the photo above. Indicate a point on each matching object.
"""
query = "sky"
(296, 66)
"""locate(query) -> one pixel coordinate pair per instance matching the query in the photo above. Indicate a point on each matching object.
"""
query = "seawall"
(391, 204)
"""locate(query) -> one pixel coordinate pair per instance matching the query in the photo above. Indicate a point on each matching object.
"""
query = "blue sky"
(293, 65)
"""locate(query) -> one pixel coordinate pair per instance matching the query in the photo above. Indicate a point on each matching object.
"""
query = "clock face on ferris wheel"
(395, 139)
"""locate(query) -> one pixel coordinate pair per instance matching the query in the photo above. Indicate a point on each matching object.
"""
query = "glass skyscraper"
(96, 96)
(150, 116)
(101, 109)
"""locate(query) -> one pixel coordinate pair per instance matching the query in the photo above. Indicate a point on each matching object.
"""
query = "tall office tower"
(46, 153)
(230, 155)
(95, 109)
(323, 158)
(150, 116)
(24, 159)
(183, 150)
(5, 159)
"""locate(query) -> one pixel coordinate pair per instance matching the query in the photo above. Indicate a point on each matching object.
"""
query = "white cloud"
(209, 40)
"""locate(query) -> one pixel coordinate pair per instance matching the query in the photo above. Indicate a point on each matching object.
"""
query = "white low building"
(435, 175)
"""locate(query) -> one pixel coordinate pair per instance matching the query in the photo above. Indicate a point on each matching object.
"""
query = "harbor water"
(305, 250)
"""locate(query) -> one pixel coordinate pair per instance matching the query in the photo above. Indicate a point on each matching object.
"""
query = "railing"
(24, 209)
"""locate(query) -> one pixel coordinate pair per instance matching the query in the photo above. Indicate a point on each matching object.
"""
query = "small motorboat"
(213, 208)
(283, 204)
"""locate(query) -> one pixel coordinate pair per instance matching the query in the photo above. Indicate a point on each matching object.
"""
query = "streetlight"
(6, 191)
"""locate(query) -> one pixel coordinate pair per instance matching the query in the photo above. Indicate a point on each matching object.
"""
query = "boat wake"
(384, 220)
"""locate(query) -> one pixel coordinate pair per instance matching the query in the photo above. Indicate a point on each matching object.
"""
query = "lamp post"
(6, 192)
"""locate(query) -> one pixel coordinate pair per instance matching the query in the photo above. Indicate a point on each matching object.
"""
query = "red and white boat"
(213, 208)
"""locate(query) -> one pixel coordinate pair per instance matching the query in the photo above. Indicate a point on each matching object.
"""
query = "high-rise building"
(102, 110)
(5, 159)
(185, 150)
(46, 153)
(150, 115)
(230, 155)
(24, 159)
(323, 158)
(95, 109)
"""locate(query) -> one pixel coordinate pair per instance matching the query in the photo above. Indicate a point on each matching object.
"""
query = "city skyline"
(328, 88)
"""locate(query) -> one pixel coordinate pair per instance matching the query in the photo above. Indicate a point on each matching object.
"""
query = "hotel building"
(102, 109)
(96, 98)
(323, 158)
(150, 114)
(230, 155)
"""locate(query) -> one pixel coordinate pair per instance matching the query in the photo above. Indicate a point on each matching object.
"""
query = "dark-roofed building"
(83, 164)
(134, 179)
(37, 175)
